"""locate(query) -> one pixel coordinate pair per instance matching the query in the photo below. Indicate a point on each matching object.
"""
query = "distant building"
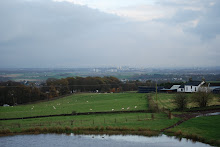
(146, 89)
(212, 86)
(172, 89)
(191, 86)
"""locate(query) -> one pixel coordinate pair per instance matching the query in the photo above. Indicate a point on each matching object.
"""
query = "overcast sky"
(94, 33)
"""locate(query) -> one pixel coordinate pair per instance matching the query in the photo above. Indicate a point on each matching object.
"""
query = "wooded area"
(14, 93)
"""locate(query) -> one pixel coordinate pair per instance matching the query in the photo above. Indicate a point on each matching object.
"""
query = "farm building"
(191, 86)
(146, 89)
(172, 89)
(214, 87)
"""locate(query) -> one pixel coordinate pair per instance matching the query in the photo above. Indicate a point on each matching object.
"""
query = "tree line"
(13, 93)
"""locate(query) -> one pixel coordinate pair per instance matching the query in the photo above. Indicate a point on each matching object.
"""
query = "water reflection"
(45, 140)
(209, 114)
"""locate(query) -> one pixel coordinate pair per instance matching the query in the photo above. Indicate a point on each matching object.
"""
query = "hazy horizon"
(101, 33)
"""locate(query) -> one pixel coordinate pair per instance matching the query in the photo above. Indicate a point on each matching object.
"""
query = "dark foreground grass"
(204, 129)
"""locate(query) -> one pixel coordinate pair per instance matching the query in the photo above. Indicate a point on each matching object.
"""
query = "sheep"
(122, 108)
(113, 109)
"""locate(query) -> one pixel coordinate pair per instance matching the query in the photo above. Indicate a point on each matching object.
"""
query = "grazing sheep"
(122, 108)
(113, 109)
(90, 109)
(128, 108)
(135, 107)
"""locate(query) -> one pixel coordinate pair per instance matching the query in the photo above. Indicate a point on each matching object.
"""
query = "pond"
(209, 114)
(54, 140)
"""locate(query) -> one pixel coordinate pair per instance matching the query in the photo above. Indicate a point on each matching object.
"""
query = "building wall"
(180, 90)
(189, 88)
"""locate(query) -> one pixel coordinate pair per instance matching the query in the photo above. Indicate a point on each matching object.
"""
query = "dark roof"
(167, 89)
(182, 86)
(146, 89)
(193, 83)
(214, 84)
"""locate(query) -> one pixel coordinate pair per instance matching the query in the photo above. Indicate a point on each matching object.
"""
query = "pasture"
(85, 102)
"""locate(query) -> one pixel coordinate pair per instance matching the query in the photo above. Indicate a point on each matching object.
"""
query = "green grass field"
(87, 103)
(79, 103)
(165, 100)
(206, 127)
(133, 120)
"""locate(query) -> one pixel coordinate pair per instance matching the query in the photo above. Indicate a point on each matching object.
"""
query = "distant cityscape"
(123, 73)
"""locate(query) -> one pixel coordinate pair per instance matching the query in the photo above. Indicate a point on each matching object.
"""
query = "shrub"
(180, 100)
(202, 98)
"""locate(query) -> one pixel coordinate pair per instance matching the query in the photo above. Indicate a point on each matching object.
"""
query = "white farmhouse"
(191, 86)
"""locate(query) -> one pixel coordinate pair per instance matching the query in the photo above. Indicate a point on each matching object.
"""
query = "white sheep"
(122, 108)
(113, 109)
(135, 107)
(128, 108)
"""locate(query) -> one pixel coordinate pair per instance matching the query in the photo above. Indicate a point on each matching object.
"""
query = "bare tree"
(180, 100)
(202, 98)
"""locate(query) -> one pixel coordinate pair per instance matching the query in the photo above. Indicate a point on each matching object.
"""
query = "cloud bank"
(46, 33)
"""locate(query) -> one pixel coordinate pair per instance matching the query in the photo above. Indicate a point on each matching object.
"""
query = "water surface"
(57, 140)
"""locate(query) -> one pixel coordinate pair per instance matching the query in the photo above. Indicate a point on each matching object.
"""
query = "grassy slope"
(96, 102)
(207, 127)
(79, 103)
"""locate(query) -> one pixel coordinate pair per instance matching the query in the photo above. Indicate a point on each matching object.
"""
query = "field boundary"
(76, 114)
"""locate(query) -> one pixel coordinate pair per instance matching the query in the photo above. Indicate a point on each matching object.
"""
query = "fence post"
(152, 116)
(170, 115)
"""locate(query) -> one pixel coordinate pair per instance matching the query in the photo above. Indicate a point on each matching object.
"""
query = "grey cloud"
(48, 34)
(208, 25)
(208, 16)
